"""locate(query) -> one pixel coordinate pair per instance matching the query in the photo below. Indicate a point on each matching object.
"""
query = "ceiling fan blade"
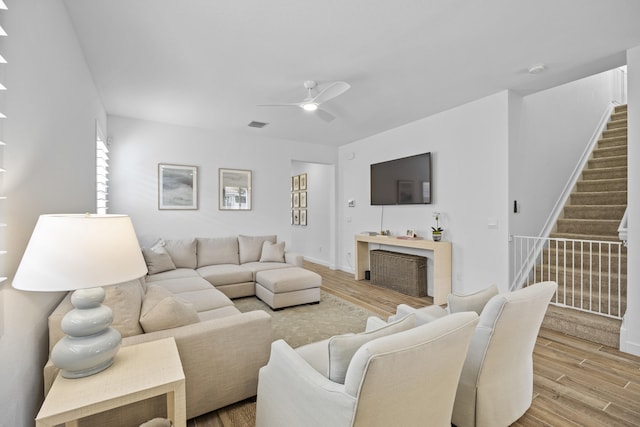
(324, 115)
(331, 91)
(279, 105)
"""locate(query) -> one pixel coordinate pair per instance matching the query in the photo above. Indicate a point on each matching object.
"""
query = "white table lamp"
(82, 253)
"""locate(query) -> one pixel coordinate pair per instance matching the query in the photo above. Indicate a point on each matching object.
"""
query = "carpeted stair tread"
(599, 329)
(612, 151)
(617, 122)
(588, 226)
(582, 253)
(586, 276)
(604, 173)
(620, 108)
(594, 211)
(598, 198)
(596, 185)
(618, 141)
(607, 162)
(608, 133)
(594, 237)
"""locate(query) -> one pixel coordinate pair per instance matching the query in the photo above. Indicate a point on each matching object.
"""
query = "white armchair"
(496, 384)
(408, 378)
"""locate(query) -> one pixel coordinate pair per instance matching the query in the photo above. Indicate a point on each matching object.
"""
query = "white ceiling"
(209, 63)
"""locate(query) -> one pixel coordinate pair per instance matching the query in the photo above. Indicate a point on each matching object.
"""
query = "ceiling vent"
(258, 125)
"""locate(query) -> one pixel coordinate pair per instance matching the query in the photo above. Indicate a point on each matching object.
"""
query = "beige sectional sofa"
(187, 295)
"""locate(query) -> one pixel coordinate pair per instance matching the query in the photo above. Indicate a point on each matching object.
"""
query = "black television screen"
(405, 181)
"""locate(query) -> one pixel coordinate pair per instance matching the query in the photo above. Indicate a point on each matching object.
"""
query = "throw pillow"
(251, 247)
(343, 347)
(162, 310)
(272, 252)
(125, 301)
(471, 302)
(157, 259)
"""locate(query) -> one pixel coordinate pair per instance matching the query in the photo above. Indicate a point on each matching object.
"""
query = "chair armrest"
(294, 259)
(374, 323)
(292, 393)
(423, 315)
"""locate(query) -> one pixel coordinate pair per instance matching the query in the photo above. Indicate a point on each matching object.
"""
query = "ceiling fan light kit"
(312, 103)
(537, 68)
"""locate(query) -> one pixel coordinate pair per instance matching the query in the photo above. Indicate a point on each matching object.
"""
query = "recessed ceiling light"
(537, 69)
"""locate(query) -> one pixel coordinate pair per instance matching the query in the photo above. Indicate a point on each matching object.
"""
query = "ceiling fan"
(312, 103)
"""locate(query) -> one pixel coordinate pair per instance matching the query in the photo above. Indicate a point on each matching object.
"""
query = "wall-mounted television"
(404, 181)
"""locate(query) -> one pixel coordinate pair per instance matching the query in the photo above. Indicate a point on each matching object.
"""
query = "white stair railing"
(590, 274)
(623, 228)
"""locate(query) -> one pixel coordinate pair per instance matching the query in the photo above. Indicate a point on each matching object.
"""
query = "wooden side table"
(138, 372)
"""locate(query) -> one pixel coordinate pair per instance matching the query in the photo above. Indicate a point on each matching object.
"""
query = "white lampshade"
(68, 252)
(82, 253)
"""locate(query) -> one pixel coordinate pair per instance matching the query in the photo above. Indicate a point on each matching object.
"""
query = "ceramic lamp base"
(90, 344)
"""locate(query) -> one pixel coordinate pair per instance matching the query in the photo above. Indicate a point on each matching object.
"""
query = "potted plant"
(436, 232)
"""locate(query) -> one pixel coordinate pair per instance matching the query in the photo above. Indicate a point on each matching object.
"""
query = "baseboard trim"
(626, 345)
(317, 261)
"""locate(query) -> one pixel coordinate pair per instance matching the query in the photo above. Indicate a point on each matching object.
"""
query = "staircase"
(592, 216)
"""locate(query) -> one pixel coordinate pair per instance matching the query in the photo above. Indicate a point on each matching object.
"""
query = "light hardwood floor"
(576, 382)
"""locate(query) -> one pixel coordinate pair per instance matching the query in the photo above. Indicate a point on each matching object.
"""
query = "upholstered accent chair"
(496, 384)
(405, 378)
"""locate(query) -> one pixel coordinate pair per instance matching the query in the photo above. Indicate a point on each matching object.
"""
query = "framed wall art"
(234, 193)
(177, 187)
(299, 199)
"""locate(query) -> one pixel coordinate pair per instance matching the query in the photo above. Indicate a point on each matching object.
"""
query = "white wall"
(551, 129)
(469, 146)
(315, 240)
(52, 106)
(630, 332)
(137, 147)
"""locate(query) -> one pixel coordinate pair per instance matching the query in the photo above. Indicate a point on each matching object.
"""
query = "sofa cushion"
(125, 301)
(272, 252)
(161, 310)
(251, 247)
(206, 299)
(183, 252)
(225, 274)
(219, 250)
(343, 347)
(183, 284)
(256, 267)
(158, 260)
(178, 273)
(471, 302)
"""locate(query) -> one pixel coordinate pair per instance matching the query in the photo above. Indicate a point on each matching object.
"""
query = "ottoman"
(284, 287)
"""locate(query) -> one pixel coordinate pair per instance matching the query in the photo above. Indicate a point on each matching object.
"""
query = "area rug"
(309, 323)
(297, 325)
